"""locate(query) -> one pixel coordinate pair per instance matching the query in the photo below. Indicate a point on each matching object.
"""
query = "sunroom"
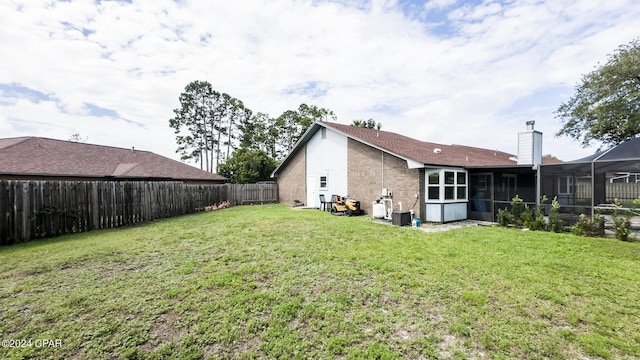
(446, 194)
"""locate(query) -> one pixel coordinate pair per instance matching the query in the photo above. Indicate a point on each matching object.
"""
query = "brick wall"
(292, 179)
(365, 178)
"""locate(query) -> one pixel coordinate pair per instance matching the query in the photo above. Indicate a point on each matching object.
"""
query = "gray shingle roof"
(38, 156)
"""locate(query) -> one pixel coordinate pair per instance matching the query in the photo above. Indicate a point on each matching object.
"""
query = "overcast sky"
(444, 71)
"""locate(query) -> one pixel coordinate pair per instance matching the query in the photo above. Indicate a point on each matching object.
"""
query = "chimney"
(530, 145)
(530, 124)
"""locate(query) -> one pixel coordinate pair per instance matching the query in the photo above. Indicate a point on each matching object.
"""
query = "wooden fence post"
(26, 213)
(94, 205)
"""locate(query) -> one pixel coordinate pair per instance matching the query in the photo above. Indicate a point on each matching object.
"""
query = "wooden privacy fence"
(618, 190)
(37, 209)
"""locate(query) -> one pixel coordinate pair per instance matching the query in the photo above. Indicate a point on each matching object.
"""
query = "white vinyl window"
(323, 182)
(565, 185)
(447, 185)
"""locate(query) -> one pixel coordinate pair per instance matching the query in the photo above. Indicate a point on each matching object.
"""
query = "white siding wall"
(433, 213)
(529, 148)
(326, 157)
(455, 212)
(452, 212)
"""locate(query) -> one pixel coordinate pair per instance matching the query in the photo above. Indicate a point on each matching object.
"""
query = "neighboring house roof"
(36, 156)
(628, 150)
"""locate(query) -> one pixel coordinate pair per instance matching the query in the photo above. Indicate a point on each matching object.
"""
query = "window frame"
(452, 185)
(433, 186)
(326, 182)
(568, 182)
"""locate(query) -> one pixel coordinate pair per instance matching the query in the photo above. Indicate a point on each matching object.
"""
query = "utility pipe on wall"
(382, 172)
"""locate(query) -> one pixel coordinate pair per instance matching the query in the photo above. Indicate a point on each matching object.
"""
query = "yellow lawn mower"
(343, 205)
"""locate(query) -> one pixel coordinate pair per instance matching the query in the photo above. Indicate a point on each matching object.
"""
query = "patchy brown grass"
(269, 282)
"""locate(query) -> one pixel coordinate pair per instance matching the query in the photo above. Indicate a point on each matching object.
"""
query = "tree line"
(223, 135)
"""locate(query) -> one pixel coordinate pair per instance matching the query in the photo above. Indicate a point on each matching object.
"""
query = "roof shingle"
(38, 156)
(425, 152)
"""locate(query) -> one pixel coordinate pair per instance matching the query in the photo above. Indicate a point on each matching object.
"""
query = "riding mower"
(343, 205)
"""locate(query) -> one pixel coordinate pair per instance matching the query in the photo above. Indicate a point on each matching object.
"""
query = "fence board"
(625, 192)
(37, 209)
(4, 213)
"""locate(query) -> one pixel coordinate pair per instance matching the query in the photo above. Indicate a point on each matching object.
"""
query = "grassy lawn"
(271, 282)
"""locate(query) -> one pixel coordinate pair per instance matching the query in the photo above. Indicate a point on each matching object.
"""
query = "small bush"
(505, 218)
(622, 227)
(521, 215)
(534, 220)
(518, 209)
(589, 227)
(621, 223)
(555, 223)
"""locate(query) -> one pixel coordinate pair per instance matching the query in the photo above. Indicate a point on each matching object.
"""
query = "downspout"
(382, 172)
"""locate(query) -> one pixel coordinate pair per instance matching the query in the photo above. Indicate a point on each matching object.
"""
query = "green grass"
(271, 282)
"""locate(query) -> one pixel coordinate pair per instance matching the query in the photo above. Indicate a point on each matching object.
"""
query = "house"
(440, 183)
(37, 158)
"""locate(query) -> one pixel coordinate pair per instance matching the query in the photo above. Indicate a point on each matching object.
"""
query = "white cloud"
(439, 4)
(457, 82)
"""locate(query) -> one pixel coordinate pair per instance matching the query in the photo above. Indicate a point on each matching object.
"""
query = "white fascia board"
(443, 167)
(412, 164)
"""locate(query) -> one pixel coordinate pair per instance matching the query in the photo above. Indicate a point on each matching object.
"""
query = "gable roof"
(627, 150)
(422, 152)
(36, 156)
(417, 153)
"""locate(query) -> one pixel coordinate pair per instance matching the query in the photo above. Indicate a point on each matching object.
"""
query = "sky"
(444, 71)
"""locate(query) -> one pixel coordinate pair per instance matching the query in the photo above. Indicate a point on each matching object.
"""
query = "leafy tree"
(210, 125)
(192, 122)
(368, 124)
(237, 114)
(258, 132)
(247, 166)
(75, 137)
(206, 124)
(292, 124)
(606, 105)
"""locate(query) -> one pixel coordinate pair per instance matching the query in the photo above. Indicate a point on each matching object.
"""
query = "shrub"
(589, 227)
(534, 220)
(555, 223)
(504, 217)
(621, 223)
(521, 215)
(518, 209)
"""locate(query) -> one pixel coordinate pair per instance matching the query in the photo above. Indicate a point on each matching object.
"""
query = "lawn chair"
(324, 204)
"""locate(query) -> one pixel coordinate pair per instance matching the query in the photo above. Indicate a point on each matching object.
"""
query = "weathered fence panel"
(36, 209)
(624, 192)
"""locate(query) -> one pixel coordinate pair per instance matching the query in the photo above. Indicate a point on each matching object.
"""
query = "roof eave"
(303, 139)
(411, 163)
(505, 166)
